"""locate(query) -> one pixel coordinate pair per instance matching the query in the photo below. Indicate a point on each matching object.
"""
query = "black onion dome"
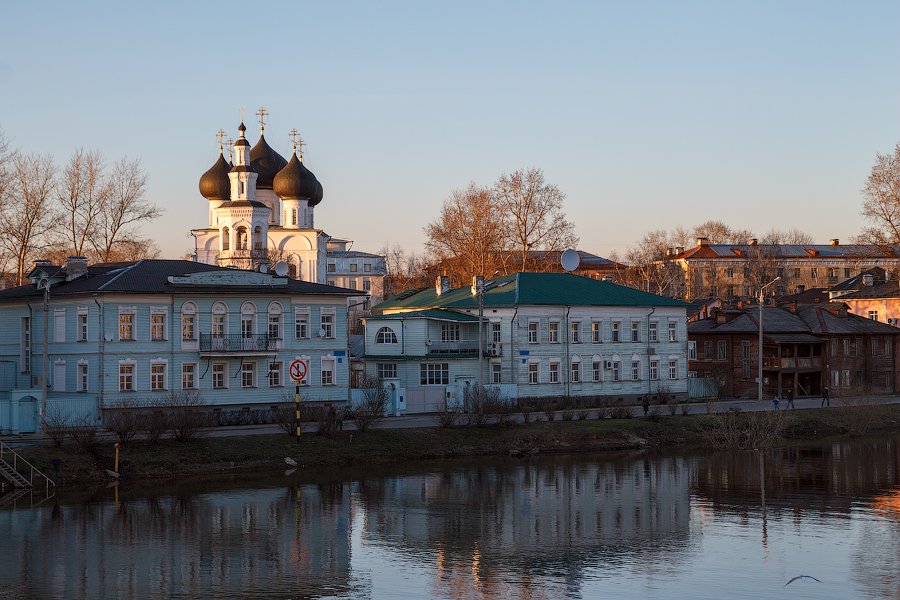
(214, 184)
(296, 181)
(266, 162)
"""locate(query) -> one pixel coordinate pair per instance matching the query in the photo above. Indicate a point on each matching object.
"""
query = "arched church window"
(293, 216)
(226, 238)
(241, 238)
(248, 318)
(385, 335)
(257, 238)
(292, 271)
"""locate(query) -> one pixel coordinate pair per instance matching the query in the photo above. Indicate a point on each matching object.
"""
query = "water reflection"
(676, 525)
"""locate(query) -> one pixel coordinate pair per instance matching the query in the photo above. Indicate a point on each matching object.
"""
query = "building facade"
(152, 332)
(542, 335)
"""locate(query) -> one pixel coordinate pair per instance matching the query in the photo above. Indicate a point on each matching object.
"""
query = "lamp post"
(761, 299)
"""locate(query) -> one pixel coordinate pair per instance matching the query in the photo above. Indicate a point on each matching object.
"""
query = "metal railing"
(33, 471)
(803, 362)
(237, 343)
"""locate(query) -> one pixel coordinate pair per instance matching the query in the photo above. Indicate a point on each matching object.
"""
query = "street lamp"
(761, 299)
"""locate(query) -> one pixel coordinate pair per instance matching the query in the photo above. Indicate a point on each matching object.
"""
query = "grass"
(217, 456)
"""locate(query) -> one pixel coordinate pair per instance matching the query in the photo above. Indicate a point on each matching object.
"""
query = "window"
(301, 324)
(797, 272)
(274, 329)
(614, 328)
(188, 376)
(332, 268)
(275, 379)
(82, 377)
(729, 272)
(576, 371)
(218, 376)
(654, 370)
(157, 376)
(653, 333)
(635, 331)
(434, 373)
(385, 335)
(745, 359)
(595, 332)
(126, 377)
(532, 332)
(723, 350)
(846, 344)
(158, 326)
(597, 370)
(293, 216)
(387, 370)
(248, 375)
(888, 346)
(226, 239)
(835, 379)
(553, 332)
(673, 369)
(845, 378)
(846, 272)
(673, 331)
(327, 320)
(873, 314)
(617, 370)
(219, 320)
(241, 232)
(554, 372)
(834, 347)
(576, 332)
(495, 332)
(496, 372)
(353, 267)
(352, 284)
(25, 345)
(126, 326)
(875, 344)
(707, 349)
(450, 332)
(532, 373)
(248, 318)
(82, 324)
(367, 267)
(635, 370)
(59, 325)
(692, 350)
(189, 321)
(814, 273)
(367, 284)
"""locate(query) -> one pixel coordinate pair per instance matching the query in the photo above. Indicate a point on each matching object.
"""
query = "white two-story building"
(543, 335)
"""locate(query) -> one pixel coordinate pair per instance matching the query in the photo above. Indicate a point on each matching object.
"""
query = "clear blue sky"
(646, 114)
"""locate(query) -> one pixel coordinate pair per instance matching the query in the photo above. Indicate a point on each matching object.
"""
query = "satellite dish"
(570, 260)
(281, 268)
(321, 332)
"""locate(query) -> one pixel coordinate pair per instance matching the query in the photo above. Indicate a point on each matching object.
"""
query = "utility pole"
(761, 302)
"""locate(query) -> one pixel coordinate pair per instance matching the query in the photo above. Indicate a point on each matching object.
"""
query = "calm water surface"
(720, 525)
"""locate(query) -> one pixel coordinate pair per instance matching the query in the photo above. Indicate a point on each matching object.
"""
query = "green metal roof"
(434, 313)
(532, 289)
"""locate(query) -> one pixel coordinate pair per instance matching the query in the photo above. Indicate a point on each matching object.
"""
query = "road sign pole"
(297, 410)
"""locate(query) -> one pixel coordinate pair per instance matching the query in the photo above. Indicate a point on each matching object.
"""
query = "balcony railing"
(803, 362)
(237, 343)
(457, 347)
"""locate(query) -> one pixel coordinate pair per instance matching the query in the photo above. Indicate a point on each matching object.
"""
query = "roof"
(351, 254)
(888, 289)
(793, 338)
(810, 296)
(782, 325)
(434, 314)
(532, 289)
(152, 276)
(743, 251)
(856, 282)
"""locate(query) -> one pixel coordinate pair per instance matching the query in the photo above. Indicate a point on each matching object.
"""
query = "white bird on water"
(290, 461)
(801, 577)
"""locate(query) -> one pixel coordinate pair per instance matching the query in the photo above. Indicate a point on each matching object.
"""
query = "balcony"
(802, 363)
(465, 348)
(237, 344)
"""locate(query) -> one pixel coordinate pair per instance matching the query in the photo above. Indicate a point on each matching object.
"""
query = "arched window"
(188, 321)
(241, 238)
(226, 238)
(248, 319)
(219, 320)
(385, 335)
(257, 238)
(293, 216)
(275, 312)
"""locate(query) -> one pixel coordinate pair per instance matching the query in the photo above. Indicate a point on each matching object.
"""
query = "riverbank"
(260, 454)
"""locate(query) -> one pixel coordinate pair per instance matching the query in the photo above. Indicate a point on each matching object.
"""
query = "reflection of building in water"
(545, 523)
(256, 543)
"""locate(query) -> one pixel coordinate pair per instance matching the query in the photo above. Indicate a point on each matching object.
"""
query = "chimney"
(792, 306)
(835, 242)
(76, 266)
(670, 252)
(442, 285)
(477, 284)
(702, 241)
(867, 280)
(679, 249)
(754, 241)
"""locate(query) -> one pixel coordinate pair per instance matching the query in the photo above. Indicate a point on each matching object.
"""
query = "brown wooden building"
(806, 348)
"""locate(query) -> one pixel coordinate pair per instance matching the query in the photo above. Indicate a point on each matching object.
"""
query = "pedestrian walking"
(825, 400)
(645, 404)
(775, 401)
(790, 399)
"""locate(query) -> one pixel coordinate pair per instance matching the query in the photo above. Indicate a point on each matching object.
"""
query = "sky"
(647, 115)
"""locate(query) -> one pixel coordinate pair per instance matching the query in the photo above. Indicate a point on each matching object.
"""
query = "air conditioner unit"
(494, 349)
(608, 364)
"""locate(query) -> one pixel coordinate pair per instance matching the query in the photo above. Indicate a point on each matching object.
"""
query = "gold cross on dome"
(297, 139)
(230, 143)
(263, 113)
(220, 135)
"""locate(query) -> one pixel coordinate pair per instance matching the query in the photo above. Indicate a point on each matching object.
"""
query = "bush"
(744, 431)
(122, 419)
(673, 408)
(374, 403)
(526, 409)
(622, 412)
(155, 425)
(56, 426)
(185, 418)
(84, 433)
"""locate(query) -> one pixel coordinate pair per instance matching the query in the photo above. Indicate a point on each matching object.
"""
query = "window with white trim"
(327, 371)
(387, 370)
(126, 324)
(219, 381)
(873, 314)
(25, 345)
(617, 370)
(301, 323)
(248, 320)
(554, 372)
(533, 332)
(188, 321)
(275, 379)
(385, 335)
(692, 349)
(274, 322)
(59, 325)
(157, 376)
(450, 332)
(126, 377)
(576, 332)
(576, 371)
(157, 325)
(219, 320)
(615, 328)
(248, 375)
(597, 370)
(495, 332)
(327, 320)
(635, 331)
(653, 332)
(673, 331)
(533, 373)
(553, 333)
(188, 376)
(81, 379)
(595, 332)
(635, 370)
(673, 368)
(434, 374)
(82, 325)
(654, 370)
(496, 373)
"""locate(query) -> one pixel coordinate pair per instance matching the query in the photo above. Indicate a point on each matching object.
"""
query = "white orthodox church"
(261, 211)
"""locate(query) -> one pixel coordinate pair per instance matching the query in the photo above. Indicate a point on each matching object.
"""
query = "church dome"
(266, 162)
(214, 184)
(295, 181)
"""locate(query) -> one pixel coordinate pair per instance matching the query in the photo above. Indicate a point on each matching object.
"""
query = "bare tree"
(537, 220)
(124, 207)
(647, 268)
(718, 232)
(25, 209)
(82, 193)
(882, 201)
(470, 234)
(791, 236)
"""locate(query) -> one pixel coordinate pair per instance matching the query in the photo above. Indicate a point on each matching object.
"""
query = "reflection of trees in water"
(875, 563)
(481, 525)
(259, 541)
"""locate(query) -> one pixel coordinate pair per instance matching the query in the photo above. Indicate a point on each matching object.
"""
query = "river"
(661, 525)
